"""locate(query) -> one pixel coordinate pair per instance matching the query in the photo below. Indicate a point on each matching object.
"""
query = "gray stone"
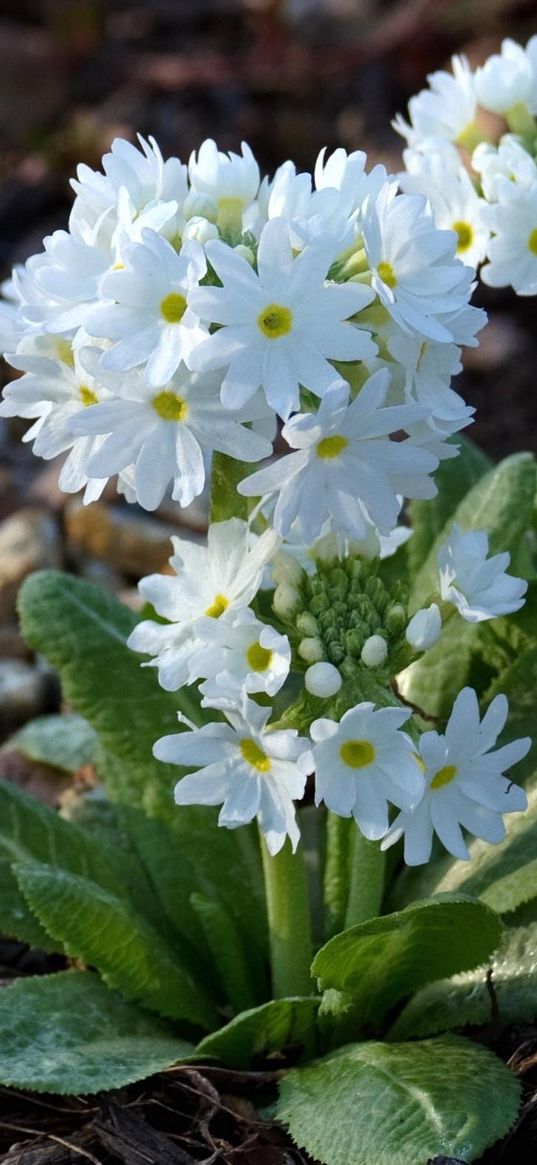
(29, 540)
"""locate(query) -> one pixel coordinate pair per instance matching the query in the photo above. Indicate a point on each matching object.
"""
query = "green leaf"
(68, 1034)
(503, 876)
(433, 682)
(83, 633)
(279, 1026)
(65, 742)
(226, 948)
(16, 920)
(505, 993)
(399, 1104)
(226, 472)
(381, 961)
(453, 478)
(501, 502)
(98, 927)
(30, 830)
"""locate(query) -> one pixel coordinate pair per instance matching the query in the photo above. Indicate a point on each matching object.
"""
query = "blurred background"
(289, 76)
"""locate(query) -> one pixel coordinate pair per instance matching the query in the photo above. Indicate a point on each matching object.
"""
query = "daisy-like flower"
(512, 251)
(254, 771)
(60, 286)
(147, 315)
(452, 198)
(446, 110)
(164, 433)
(428, 368)
(282, 324)
(347, 174)
(476, 585)
(345, 467)
(229, 181)
(363, 764)
(241, 654)
(414, 270)
(464, 783)
(208, 580)
(54, 391)
(506, 80)
(504, 168)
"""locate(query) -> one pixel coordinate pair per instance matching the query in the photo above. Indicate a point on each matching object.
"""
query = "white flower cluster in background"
(188, 307)
(485, 191)
(187, 311)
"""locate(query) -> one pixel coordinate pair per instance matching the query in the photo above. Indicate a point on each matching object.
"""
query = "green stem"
(339, 835)
(289, 921)
(367, 881)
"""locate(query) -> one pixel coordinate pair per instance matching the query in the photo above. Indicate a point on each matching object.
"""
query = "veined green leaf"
(66, 742)
(504, 991)
(279, 1026)
(399, 1104)
(67, 1033)
(381, 961)
(98, 927)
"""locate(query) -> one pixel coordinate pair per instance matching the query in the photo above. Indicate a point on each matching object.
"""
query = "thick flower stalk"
(188, 313)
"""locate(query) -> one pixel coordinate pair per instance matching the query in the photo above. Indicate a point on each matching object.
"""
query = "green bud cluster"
(339, 608)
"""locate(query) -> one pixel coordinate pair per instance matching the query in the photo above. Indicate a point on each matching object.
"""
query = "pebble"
(29, 540)
(134, 544)
(26, 690)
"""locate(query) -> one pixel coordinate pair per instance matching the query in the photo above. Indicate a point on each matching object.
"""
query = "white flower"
(425, 628)
(240, 654)
(346, 468)
(54, 391)
(363, 763)
(230, 181)
(414, 270)
(374, 652)
(281, 325)
(165, 432)
(428, 368)
(465, 784)
(503, 168)
(476, 585)
(254, 771)
(446, 110)
(59, 287)
(148, 317)
(346, 173)
(142, 174)
(208, 580)
(512, 251)
(506, 79)
(452, 198)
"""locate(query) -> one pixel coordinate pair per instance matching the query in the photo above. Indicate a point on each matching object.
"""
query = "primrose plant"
(334, 688)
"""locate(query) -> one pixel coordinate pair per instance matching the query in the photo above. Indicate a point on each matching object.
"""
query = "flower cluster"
(493, 206)
(188, 310)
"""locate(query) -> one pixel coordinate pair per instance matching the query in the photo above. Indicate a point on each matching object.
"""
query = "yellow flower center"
(170, 406)
(64, 351)
(87, 396)
(275, 321)
(217, 607)
(330, 447)
(444, 776)
(173, 307)
(254, 755)
(386, 272)
(357, 753)
(532, 242)
(465, 235)
(258, 657)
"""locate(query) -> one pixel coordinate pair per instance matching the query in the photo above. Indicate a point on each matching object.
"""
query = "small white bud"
(245, 253)
(374, 651)
(323, 679)
(200, 229)
(286, 568)
(311, 649)
(424, 628)
(286, 600)
(198, 204)
(307, 625)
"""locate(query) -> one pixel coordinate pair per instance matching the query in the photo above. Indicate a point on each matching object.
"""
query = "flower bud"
(286, 600)
(200, 229)
(322, 679)
(307, 625)
(424, 628)
(245, 253)
(311, 649)
(374, 651)
(286, 568)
